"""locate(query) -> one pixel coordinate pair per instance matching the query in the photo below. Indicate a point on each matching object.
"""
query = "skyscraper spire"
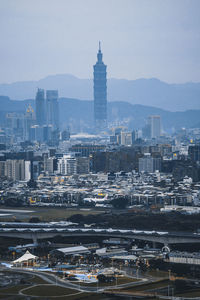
(99, 54)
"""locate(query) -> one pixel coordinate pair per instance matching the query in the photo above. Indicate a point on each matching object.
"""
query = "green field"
(56, 214)
(37, 280)
(155, 286)
(148, 286)
(13, 289)
(48, 290)
(46, 214)
(41, 291)
(37, 288)
(190, 294)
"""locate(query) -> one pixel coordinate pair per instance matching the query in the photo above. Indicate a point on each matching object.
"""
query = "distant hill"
(80, 113)
(151, 92)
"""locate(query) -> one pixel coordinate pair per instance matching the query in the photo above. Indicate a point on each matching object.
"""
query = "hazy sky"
(140, 38)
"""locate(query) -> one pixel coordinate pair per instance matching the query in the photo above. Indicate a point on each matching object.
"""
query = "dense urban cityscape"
(99, 207)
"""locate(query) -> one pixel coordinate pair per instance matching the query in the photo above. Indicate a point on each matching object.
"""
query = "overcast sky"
(140, 38)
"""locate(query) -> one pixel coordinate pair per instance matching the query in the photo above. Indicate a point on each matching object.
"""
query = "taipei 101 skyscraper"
(100, 93)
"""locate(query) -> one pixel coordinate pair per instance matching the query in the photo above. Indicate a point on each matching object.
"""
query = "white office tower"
(126, 138)
(18, 169)
(27, 172)
(49, 165)
(155, 126)
(149, 164)
(67, 165)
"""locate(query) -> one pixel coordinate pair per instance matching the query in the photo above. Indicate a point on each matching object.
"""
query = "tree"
(13, 201)
(78, 218)
(103, 278)
(34, 220)
(119, 203)
(32, 184)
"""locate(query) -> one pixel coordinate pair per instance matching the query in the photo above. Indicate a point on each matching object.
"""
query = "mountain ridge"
(152, 91)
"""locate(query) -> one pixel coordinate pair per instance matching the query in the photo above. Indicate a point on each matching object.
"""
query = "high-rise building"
(47, 117)
(194, 152)
(18, 124)
(85, 150)
(29, 120)
(83, 165)
(15, 125)
(36, 133)
(67, 165)
(155, 126)
(18, 169)
(100, 93)
(52, 108)
(36, 169)
(40, 108)
(50, 164)
(2, 168)
(127, 138)
(149, 164)
(65, 135)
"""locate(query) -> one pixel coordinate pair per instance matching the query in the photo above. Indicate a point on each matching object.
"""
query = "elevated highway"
(40, 231)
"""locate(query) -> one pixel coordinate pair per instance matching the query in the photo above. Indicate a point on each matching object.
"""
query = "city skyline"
(142, 39)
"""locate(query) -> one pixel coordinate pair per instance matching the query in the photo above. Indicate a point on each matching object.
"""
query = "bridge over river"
(38, 231)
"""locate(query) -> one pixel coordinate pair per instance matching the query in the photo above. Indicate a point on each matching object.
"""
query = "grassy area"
(10, 297)
(158, 273)
(123, 280)
(84, 296)
(37, 280)
(11, 293)
(148, 286)
(12, 289)
(153, 287)
(159, 284)
(55, 214)
(190, 294)
(48, 291)
(48, 213)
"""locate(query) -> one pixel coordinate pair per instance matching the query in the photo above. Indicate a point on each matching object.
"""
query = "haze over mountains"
(151, 92)
(79, 113)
